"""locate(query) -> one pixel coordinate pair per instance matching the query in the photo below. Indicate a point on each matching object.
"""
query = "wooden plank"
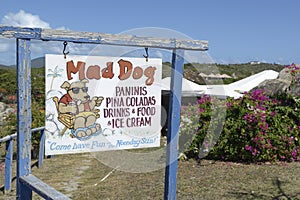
(38, 129)
(42, 188)
(8, 165)
(20, 32)
(13, 136)
(9, 155)
(8, 137)
(27, 182)
(101, 38)
(41, 148)
(173, 125)
(23, 116)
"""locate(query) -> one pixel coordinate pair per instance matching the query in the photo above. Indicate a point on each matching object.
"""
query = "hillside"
(236, 71)
(4, 66)
(8, 83)
(35, 63)
(191, 72)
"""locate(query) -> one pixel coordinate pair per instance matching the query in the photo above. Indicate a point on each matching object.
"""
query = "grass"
(83, 176)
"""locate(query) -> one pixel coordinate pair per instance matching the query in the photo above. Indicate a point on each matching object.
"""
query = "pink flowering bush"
(201, 125)
(293, 70)
(260, 128)
(257, 128)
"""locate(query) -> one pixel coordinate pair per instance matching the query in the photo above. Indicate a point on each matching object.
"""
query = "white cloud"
(38, 48)
(5, 45)
(24, 19)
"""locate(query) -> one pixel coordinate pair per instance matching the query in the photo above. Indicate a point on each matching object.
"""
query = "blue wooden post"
(26, 182)
(41, 148)
(173, 125)
(23, 116)
(8, 165)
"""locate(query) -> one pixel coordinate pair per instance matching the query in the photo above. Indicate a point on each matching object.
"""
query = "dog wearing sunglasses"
(79, 104)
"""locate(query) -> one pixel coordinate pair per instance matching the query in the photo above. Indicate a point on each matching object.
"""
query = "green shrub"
(8, 91)
(201, 125)
(256, 128)
(264, 129)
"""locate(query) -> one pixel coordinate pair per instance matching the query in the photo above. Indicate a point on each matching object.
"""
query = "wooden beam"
(41, 188)
(23, 115)
(41, 148)
(8, 165)
(27, 182)
(8, 137)
(102, 38)
(173, 125)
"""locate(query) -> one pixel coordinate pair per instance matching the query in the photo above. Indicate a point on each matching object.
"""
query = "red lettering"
(149, 72)
(137, 73)
(125, 69)
(108, 71)
(93, 72)
(72, 69)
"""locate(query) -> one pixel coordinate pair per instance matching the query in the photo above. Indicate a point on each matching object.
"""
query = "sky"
(238, 31)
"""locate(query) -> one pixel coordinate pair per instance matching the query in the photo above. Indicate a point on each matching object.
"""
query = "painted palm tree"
(54, 74)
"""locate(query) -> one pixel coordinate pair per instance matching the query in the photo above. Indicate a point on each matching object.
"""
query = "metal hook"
(147, 54)
(64, 51)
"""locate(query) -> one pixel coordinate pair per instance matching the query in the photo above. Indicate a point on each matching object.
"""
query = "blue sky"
(238, 31)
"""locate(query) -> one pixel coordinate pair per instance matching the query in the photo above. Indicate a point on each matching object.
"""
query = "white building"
(235, 89)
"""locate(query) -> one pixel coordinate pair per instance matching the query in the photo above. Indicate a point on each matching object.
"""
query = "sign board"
(98, 103)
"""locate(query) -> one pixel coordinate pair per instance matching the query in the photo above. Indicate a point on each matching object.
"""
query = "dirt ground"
(82, 176)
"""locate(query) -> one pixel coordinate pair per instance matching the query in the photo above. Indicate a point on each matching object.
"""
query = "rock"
(295, 89)
(3, 106)
(273, 87)
(280, 85)
(285, 75)
(4, 111)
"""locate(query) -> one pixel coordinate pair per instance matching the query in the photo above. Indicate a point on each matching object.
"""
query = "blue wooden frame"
(173, 124)
(9, 140)
(8, 165)
(23, 116)
(26, 182)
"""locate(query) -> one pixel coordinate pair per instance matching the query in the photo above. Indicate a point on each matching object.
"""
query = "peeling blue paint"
(173, 125)
(26, 183)
(23, 116)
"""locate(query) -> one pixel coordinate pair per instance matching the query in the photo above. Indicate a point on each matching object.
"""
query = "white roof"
(235, 89)
(250, 82)
(187, 86)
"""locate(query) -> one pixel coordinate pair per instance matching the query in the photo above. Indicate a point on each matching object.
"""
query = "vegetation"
(191, 72)
(256, 127)
(236, 71)
(81, 176)
(8, 95)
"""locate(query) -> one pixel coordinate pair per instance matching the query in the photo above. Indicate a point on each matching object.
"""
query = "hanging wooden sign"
(102, 103)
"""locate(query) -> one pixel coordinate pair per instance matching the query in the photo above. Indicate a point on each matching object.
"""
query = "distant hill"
(192, 70)
(38, 62)
(236, 71)
(35, 63)
(4, 66)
